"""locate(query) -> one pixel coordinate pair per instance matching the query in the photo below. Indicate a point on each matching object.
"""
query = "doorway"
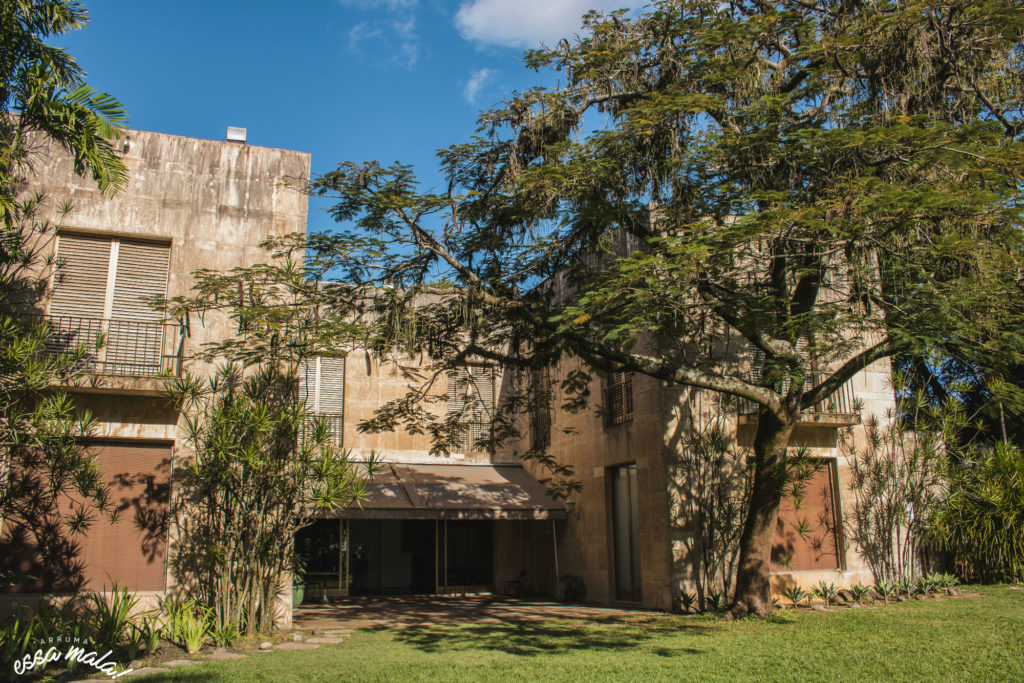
(625, 532)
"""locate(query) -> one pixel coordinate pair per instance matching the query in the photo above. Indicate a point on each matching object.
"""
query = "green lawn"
(979, 638)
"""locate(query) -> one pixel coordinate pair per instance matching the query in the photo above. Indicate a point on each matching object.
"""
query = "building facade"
(634, 529)
(190, 204)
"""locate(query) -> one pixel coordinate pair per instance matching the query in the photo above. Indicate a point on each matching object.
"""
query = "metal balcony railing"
(840, 402)
(131, 348)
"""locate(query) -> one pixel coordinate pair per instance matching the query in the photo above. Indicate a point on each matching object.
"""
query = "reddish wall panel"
(805, 538)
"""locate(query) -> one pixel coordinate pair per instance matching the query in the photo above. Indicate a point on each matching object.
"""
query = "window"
(618, 398)
(103, 286)
(806, 534)
(540, 409)
(471, 405)
(322, 388)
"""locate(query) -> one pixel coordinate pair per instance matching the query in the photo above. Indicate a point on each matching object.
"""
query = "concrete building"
(189, 204)
(633, 535)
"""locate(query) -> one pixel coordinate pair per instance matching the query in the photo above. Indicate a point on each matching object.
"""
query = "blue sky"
(342, 79)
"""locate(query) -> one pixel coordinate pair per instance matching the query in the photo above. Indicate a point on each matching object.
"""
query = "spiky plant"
(826, 591)
(860, 591)
(796, 595)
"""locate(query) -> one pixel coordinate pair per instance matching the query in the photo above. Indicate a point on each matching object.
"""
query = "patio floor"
(357, 613)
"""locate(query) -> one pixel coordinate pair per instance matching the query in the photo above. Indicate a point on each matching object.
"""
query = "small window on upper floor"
(322, 388)
(618, 398)
(471, 399)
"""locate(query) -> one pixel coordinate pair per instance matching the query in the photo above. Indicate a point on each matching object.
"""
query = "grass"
(971, 638)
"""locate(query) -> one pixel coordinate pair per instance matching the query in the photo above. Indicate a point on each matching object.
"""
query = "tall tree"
(43, 97)
(814, 185)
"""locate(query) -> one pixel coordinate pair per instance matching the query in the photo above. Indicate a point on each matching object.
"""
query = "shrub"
(688, 600)
(110, 617)
(981, 521)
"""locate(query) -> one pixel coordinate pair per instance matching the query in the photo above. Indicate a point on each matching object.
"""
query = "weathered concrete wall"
(653, 440)
(214, 202)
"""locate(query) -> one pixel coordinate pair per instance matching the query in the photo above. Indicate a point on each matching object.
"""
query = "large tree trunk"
(753, 590)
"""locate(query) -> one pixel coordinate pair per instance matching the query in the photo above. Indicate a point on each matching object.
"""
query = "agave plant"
(925, 585)
(796, 595)
(717, 601)
(860, 591)
(906, 586)
(688, 600)
(886, 589)
(827, 592)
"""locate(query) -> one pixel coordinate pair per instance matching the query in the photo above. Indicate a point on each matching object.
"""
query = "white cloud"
(525, 23)
(477, 80)
(392, 27)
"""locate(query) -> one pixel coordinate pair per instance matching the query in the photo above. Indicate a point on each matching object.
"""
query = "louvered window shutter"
(80, 284)
(135, 336)
(458, 383)
(78, 302)
(322, 388)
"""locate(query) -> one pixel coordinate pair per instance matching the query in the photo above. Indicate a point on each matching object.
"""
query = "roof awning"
(468, 491)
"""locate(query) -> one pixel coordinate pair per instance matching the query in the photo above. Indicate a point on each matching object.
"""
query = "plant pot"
(298, 594)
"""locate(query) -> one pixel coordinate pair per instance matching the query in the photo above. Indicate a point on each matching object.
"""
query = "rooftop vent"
(236, 134)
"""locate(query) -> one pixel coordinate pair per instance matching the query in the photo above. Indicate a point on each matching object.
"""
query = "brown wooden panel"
(805, 535)
(130, 551)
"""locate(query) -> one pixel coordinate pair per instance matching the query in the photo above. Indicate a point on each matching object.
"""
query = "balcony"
(134, 358)
(837, 410)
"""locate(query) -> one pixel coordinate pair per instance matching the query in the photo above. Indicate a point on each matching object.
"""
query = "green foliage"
(796, 595)
(712, 483)
(860, 592)
(906, 585)
(811, 186)
(44, 100)
(150, 630)
(687, 601)
(717, 601)
(262, 466)
(134, 641)
(826, 591)
(897, 480)
(887, 589)
(188, 624)
(981, 520)
(224, 635)
(110, 615)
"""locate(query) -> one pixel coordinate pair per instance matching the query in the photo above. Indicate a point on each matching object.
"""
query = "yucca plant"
(827, 592)
(111, 616)
(688, 600)
(860, 591)
(796, 595)
(886, 589)
(906, 586)
(925, 585)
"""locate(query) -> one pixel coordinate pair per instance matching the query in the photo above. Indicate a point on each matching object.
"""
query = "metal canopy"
(400, 491)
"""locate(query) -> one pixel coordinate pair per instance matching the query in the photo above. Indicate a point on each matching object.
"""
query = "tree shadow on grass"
(533, 638)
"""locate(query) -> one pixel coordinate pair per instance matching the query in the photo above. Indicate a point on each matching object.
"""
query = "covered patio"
(377, 612)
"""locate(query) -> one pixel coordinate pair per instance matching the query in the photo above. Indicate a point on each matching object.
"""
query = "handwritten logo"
(77, 651)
